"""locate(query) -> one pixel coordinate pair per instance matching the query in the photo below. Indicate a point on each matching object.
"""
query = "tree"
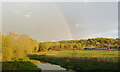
(36, 46)
(15, 46)
(79, 46)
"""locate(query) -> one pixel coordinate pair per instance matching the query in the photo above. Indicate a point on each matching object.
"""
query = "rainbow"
(65, 22)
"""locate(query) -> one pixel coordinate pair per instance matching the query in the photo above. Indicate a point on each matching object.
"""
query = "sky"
(52, 21)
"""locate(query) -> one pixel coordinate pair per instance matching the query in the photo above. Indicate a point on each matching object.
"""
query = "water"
(51, 67)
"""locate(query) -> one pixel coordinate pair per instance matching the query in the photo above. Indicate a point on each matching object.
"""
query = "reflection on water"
(48, 66)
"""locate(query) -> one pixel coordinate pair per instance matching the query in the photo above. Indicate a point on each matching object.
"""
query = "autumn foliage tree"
(15, 46)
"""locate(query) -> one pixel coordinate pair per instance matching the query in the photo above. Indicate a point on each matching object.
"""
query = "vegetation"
(78, 64)
(78, 44)
(0, 46)
(80, 60)
(19, 65)
(15, 48)
(105, 55)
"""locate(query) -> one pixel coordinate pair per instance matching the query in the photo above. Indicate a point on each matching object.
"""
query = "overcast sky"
(45, 21)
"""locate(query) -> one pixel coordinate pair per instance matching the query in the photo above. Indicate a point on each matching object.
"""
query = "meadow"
(106, 55)
(80, 60)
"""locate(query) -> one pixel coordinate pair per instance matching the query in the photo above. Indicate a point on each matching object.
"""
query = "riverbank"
(23, 66)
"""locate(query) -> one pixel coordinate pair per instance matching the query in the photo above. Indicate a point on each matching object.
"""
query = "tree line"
(78, 44)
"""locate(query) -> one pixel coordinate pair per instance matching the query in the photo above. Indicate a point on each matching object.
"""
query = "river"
(51, 67)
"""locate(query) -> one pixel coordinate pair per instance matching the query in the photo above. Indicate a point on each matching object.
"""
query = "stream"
(47, 67)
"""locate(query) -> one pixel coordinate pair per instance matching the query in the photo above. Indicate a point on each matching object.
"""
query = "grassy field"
(105, 55)
(80, 60)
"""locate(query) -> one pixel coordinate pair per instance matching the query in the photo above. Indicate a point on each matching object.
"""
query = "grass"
(80, 60)
(23, 66)
(109, 55)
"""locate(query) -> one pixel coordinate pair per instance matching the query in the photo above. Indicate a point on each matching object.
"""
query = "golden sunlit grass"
(105, 55)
